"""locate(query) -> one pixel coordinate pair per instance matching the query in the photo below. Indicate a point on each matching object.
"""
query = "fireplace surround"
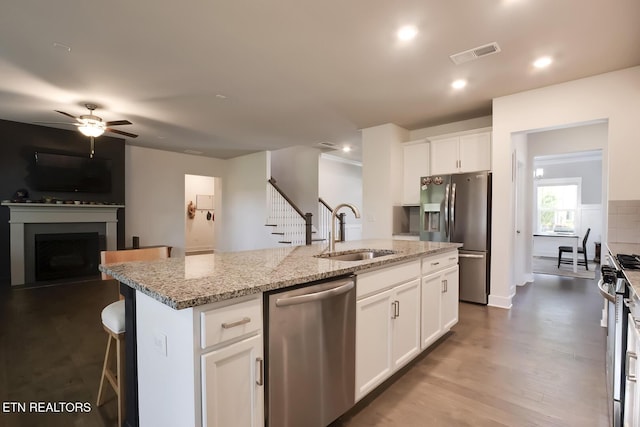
(28, 219)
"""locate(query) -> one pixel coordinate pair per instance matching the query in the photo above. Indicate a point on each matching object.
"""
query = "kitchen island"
(195, 324)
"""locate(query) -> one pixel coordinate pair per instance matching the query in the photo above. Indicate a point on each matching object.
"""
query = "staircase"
(288, 224)
(292, 227)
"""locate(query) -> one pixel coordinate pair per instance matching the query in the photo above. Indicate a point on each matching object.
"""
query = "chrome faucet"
(332, 240)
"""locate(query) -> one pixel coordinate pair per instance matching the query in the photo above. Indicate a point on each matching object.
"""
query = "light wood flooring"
(539, 364)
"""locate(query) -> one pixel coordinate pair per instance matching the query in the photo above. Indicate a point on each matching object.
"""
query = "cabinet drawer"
(231, 321)
(376, 281)
(438, 262)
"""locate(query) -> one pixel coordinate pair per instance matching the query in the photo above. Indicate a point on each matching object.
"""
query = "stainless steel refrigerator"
(457, 208)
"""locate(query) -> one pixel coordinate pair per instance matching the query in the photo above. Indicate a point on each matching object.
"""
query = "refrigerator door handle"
(446, 211)
(452, 220)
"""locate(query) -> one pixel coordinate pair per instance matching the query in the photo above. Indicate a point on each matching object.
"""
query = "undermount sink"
(357, 255)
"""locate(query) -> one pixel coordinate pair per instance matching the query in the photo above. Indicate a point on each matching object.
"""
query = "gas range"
(628, 262)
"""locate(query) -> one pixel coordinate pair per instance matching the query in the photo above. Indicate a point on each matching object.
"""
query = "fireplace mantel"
(49, 213)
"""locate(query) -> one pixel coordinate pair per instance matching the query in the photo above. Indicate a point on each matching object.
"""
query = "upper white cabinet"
(416, 165)
(466, 152)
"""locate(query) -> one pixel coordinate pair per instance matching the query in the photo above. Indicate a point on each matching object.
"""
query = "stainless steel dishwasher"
(311, 353)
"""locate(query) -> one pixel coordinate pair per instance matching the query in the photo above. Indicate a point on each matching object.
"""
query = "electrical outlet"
(160, 343)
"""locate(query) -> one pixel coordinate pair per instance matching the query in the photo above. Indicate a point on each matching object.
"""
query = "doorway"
(200, 214)
(564, 191)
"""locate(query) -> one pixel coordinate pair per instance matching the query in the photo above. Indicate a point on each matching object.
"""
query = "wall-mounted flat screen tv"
(68, 173)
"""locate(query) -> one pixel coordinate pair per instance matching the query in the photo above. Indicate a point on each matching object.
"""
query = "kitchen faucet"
(332, 240)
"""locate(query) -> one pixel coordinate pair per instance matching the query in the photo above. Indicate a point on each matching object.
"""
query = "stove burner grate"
(629, 262)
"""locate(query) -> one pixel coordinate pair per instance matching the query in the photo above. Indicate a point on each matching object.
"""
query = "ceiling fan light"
(91, 130)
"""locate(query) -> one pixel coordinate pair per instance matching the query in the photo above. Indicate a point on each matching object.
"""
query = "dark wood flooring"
(52, 348)
(539, 364)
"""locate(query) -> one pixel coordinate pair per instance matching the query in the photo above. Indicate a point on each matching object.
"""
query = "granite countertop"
(633, 276)
(201, 279)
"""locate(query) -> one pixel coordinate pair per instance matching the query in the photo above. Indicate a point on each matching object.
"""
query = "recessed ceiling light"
(459, 84)
(346, 148)
(542, 62)
(406, 33)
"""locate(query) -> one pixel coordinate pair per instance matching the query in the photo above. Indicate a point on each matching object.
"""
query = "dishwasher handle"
(344, 287)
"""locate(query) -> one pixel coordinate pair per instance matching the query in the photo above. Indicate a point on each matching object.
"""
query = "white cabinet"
(632, 391)
(232, 365)
(405, 325)
(439, 311)
(232, 391)
(460, 153)
(387, 323)
(373, 341)
(415, 166)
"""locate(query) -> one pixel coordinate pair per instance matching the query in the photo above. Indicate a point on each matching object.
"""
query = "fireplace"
(30, 219)
(66, 255)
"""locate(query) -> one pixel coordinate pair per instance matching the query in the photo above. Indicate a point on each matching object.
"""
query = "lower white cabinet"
(439, 304)
(387, 334)
(232, 385)
(632, 391)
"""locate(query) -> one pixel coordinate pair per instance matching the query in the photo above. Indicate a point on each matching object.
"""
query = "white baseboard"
(500, 302)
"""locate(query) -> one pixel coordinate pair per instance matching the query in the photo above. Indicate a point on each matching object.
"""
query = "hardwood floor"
(52, 347)
(539, 364)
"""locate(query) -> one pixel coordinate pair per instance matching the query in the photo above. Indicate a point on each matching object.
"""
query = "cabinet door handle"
(433, 264)
(236, 323)
(260, 362)
(634, 356)
(395, 306)
(442, 287)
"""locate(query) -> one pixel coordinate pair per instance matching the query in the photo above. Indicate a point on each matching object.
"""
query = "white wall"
(154, 200)
(295, 170)
(340, 181)
(381, 178)
(244, 206)
(463, 125)
(199, 231)
(612, 96)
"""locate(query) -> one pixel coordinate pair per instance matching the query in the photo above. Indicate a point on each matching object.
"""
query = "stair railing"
(293, 225)
(324, 224)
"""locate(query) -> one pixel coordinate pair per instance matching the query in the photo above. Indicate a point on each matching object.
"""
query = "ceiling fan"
(93, 126)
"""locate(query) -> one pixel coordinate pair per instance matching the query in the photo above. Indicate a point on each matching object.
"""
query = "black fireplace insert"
(66, 255)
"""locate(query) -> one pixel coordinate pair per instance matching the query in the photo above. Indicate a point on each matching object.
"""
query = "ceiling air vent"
(475, 53)
(327, 144)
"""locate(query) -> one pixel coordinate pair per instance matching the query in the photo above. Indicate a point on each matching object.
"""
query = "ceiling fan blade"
(57, 123)
(118, 123)
(130, 135)
(66, 114)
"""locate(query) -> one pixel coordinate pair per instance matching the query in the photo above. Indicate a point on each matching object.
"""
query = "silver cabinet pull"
(442, 287)
(242, 321)
(395, 305)
(446, 285)
(435, 263)
(452, 258)
(634, 356)
(260, 362)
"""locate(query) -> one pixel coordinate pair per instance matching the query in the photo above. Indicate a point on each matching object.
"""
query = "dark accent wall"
(18, 144)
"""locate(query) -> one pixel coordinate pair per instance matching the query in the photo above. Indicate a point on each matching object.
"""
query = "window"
(557, 202)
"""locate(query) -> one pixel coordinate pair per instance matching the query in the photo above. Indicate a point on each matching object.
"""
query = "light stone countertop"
(201, 279)
(633, 276)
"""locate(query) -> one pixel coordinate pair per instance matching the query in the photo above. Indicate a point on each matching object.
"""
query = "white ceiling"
(294, 72)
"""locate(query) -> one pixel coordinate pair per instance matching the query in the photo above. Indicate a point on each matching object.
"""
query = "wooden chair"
(113, 322)
(581, 250)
